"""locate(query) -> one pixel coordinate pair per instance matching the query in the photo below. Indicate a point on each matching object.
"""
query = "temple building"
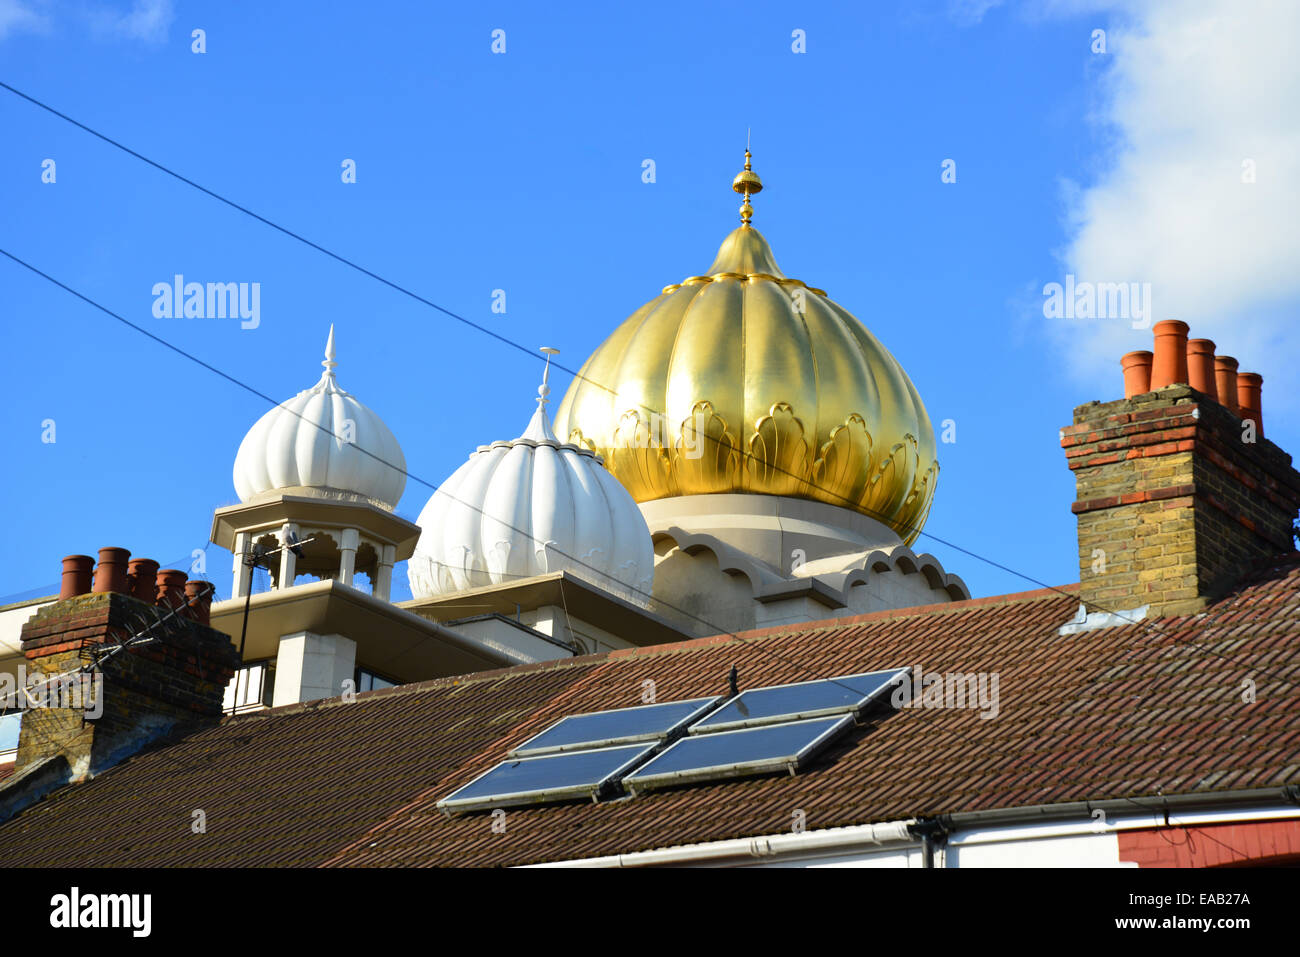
(679, 619)
(695, 490)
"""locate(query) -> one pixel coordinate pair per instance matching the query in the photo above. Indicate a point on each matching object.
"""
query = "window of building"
(10, 722)
(369, 681)
(250, 688)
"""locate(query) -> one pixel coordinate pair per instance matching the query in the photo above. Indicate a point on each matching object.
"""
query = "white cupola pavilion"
(319, 466)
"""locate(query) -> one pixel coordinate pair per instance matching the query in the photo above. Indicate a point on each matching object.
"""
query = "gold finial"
(748, 183)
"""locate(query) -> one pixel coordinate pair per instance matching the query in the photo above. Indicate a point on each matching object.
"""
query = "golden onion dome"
(743, 380)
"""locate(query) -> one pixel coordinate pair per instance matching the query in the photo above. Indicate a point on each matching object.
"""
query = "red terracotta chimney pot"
(78, 570)
(1250, 401)
(170, 590)
(1225, 374)
(1169, 366)
(198, 598)
(1200, 367)
(141, 579)
(1137, 373)
(110, 575)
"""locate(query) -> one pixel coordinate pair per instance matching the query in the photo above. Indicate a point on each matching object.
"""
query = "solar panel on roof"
(551, 777)
(728, 754)
(808, 699)
(652, 722)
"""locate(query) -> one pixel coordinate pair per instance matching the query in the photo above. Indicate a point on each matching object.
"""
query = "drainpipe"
(1203, 801)
(932, 834)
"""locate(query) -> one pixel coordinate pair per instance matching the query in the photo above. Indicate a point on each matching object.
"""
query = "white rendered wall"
(504, 638)
(12, 620)
(691, 587)
(553, 620)
(694, 592)
(1072, 850)
(310, 666)
(893, 589)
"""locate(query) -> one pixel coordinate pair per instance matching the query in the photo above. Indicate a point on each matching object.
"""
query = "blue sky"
(522, 172)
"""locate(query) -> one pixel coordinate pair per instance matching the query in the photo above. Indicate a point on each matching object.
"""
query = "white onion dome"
(528, 507)
(324, 443)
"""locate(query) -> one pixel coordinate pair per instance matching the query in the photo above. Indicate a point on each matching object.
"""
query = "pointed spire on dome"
(748, 183)
(329, 362)
(539, 428)
(544, 389)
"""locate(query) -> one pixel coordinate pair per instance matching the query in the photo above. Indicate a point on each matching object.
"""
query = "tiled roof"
(1121, 712)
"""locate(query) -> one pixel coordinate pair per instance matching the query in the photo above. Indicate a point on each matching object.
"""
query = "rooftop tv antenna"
(144, 622)
(259, 557)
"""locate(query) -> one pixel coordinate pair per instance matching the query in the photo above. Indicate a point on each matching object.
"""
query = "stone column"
(384, 573)
(243, 574)
(288, 560)
(349, 542)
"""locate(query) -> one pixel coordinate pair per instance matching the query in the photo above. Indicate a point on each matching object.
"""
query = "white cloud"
(147, 20)
(1194, 89)
(969, 12)
(16, 16)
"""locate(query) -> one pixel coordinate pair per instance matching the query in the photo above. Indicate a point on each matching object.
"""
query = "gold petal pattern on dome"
(707, 455)
(777, 463)
(844, 463)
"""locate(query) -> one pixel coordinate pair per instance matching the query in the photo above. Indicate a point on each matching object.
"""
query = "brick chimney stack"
(1178, 492)
(170, 684)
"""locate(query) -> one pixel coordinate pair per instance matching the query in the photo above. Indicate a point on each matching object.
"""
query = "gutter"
(894, 833)
(938, 831)
(1042, 813)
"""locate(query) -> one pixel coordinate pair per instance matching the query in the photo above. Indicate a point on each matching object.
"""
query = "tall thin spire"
(544, 389)
(329, 362)
(539, 427)
(748, 183)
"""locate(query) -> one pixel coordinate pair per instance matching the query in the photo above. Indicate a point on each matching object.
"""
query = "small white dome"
(322, 442)
(531, 507)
